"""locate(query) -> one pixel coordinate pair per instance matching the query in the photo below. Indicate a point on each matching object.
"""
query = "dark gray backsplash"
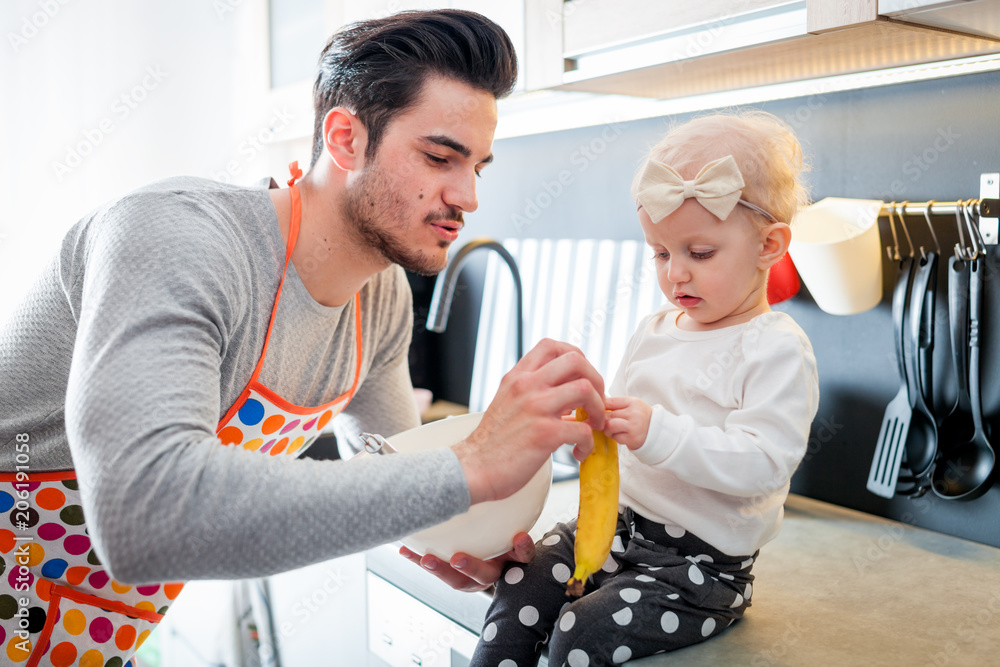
(914, 141)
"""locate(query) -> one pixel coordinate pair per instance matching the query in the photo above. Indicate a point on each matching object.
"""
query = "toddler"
(711, 408)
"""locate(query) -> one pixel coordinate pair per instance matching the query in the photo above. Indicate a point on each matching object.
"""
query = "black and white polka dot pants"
(658, 591)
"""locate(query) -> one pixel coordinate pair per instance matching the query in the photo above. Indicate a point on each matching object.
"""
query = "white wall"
(100, 96)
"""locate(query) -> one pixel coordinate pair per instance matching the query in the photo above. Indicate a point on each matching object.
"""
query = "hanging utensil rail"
(982, 208)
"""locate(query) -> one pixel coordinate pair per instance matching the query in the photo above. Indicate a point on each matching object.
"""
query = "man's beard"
(376, 214)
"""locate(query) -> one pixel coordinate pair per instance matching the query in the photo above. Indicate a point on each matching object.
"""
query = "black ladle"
(956, 426)
(965, 470)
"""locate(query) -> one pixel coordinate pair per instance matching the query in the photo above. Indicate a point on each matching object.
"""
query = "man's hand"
(524, 425)
(465, 573)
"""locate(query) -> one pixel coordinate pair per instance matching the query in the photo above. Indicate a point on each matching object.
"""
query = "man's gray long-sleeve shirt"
(141, 334)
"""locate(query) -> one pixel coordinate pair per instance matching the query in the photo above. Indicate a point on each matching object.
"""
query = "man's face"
(407, 204)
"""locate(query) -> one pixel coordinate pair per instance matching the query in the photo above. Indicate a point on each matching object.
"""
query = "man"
(189, 315)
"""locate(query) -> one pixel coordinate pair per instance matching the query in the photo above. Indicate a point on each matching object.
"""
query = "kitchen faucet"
(564, 466)
(444, 288)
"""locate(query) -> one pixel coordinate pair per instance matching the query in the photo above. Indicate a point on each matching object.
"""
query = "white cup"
(836, 249)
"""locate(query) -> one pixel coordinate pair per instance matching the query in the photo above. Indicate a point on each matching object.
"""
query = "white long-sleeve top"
(732, 409)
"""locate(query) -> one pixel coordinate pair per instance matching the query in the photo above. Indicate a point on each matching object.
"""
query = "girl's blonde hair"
(765, 149)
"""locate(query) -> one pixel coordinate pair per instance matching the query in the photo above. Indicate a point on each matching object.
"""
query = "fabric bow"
(717, 187)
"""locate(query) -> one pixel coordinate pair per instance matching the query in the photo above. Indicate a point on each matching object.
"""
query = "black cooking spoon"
(965, 470)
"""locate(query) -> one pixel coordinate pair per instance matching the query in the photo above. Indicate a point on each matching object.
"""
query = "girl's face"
(709, 268)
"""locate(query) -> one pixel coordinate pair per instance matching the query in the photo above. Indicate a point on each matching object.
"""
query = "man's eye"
(436, 159)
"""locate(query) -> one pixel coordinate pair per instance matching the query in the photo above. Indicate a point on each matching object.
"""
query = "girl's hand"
(626, 419)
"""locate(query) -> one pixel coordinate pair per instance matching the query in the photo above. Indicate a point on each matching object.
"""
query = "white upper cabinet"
(974, 17)
(673, 49)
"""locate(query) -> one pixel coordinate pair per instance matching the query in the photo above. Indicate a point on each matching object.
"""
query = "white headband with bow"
(717, 187)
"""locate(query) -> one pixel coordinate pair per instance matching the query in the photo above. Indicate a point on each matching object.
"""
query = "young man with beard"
(192, 338)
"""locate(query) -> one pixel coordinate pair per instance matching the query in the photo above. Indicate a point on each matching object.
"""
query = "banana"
(595, 526)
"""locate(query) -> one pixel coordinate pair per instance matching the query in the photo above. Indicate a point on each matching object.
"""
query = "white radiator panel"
(591, 293)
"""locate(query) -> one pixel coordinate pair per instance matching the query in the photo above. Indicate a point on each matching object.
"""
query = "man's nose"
(461, 193)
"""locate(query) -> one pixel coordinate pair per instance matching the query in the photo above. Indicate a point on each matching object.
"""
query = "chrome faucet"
(444, 288)
(564, 466)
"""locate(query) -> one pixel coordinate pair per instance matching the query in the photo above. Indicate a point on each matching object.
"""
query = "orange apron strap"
(50, 621)
(296, 173)
(57, 591)
(293, 235)
(357, 334)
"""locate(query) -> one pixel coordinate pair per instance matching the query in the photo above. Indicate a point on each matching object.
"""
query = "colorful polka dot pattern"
(84, 635)
(61, 553)
(261, 426)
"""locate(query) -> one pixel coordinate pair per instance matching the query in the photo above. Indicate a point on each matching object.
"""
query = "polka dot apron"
(58, 605)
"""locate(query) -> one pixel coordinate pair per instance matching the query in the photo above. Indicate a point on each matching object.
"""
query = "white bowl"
(487, 529)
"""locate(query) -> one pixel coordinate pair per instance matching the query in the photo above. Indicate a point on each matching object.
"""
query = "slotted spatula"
(896, 420)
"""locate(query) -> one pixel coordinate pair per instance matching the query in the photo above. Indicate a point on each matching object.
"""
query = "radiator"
(591, 293)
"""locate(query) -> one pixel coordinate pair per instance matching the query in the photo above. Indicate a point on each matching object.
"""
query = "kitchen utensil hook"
(972, 222)
(902, 214)
(893, 252)
(962, 252)
(927, 217)
(902, 223)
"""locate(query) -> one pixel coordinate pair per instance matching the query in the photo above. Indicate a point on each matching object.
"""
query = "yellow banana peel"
(598, 517)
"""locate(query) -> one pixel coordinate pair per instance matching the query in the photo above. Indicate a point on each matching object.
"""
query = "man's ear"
(344, 138)
(774, 244)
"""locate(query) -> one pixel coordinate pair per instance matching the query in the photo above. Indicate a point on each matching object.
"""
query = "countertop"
(836, 587)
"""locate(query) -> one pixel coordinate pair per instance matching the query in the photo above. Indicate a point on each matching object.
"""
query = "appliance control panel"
(405, 632)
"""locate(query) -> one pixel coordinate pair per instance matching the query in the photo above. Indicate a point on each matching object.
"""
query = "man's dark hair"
(377, 68)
